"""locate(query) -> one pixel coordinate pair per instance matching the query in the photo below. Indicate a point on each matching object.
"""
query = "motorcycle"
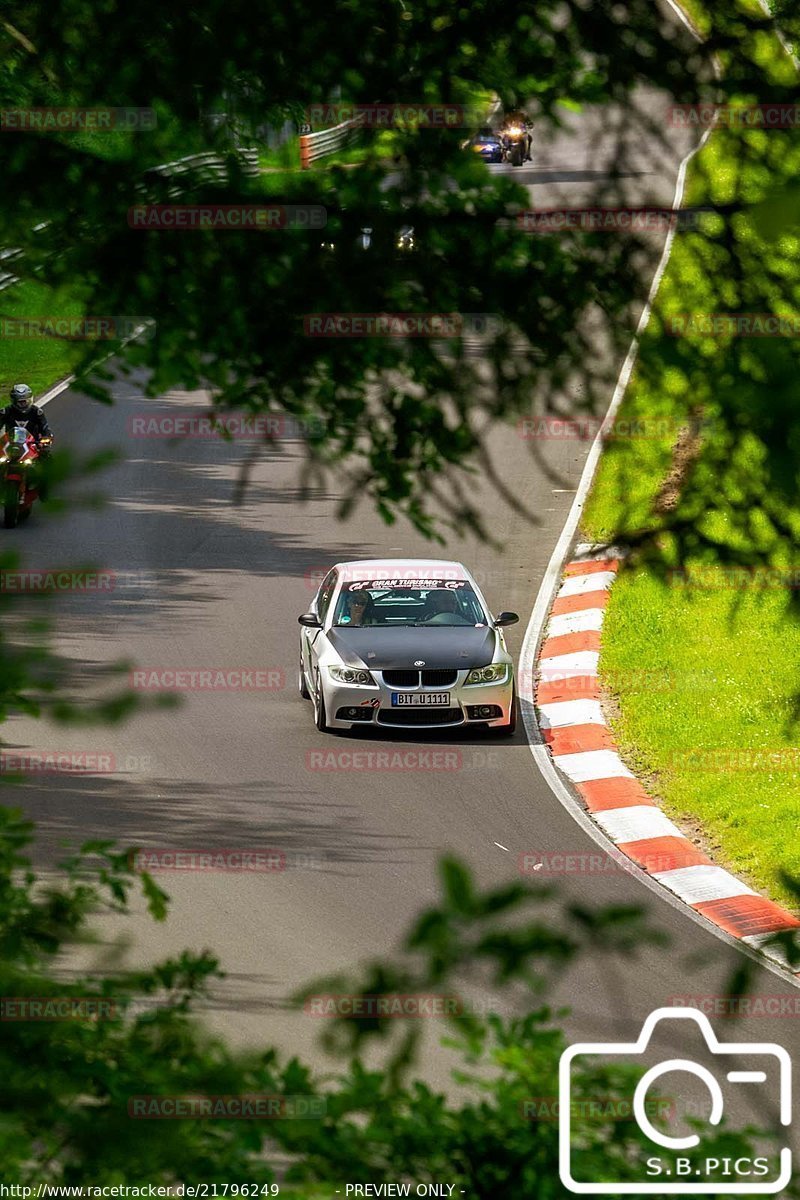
(19, 455)
(516, 144)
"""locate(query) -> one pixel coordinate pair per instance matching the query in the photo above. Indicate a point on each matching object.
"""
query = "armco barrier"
(8, 277)
(317, 145)
(201, 168)
(209, 167)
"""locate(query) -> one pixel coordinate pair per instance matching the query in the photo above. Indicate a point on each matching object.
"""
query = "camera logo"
(675, 1170)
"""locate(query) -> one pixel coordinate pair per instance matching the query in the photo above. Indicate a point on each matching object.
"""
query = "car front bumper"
(351, 707)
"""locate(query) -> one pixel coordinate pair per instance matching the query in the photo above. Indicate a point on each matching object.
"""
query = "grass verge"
(38, 361)
(715, 735)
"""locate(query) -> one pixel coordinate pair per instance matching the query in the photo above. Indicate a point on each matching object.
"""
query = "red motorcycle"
(19, 454)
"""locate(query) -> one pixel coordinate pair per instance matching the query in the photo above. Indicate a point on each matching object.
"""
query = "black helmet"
(21, 396)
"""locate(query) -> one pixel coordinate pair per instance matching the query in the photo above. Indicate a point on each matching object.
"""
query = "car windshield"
(419, 602)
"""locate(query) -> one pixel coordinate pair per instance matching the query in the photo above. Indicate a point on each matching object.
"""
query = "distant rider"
(22, 411)
(520, 119)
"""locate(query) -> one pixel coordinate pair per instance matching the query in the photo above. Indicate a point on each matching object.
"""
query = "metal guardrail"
(8, 277)
(210, 167)
(317, 145)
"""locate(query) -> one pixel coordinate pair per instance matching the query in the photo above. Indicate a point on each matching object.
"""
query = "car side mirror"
(311, 620)
(506, 618)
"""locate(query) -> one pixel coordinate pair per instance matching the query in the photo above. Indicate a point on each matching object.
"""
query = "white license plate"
(427, 699)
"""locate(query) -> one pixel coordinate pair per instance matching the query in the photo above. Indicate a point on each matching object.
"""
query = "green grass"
(731, 654)
(39, 361)
(712, 670)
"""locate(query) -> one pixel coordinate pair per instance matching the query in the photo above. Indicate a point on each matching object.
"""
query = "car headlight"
(496, 673)
(351, 675)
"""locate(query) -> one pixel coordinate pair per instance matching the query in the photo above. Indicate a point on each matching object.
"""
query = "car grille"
(409, 679)
(440, 678)
(421, 716)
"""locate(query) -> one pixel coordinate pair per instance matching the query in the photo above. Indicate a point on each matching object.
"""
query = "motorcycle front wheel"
(10, 506)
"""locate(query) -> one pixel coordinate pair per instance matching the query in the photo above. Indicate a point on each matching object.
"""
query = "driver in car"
(359, 609)
(444, 602)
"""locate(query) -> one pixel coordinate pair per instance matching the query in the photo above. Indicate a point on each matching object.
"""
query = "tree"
(405, 418)
(71, 1086)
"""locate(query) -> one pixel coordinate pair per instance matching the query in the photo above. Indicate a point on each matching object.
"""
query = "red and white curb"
(573, 726)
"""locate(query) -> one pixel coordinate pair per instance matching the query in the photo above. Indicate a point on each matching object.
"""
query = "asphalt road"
(204, 584)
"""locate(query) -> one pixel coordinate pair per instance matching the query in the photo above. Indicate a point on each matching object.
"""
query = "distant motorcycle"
(19, 455)
(515, 145)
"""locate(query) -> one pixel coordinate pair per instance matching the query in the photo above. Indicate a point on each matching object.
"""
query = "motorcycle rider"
(22, 411)
(519, 119)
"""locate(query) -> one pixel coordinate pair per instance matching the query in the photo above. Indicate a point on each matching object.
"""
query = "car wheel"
(302, 686)
(319, 706)
(510, 729)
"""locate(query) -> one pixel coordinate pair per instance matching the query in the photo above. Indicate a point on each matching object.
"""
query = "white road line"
(592, 764)
(704, 882)
(776, 953)
(63, 384)
(547, 590)
(577, 622)
(54, 391)
(570, 712)
(635, 823)
(564, 666)
(578, 585)
(591, 552)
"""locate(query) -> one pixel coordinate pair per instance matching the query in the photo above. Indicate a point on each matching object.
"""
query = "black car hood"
(460, 647)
